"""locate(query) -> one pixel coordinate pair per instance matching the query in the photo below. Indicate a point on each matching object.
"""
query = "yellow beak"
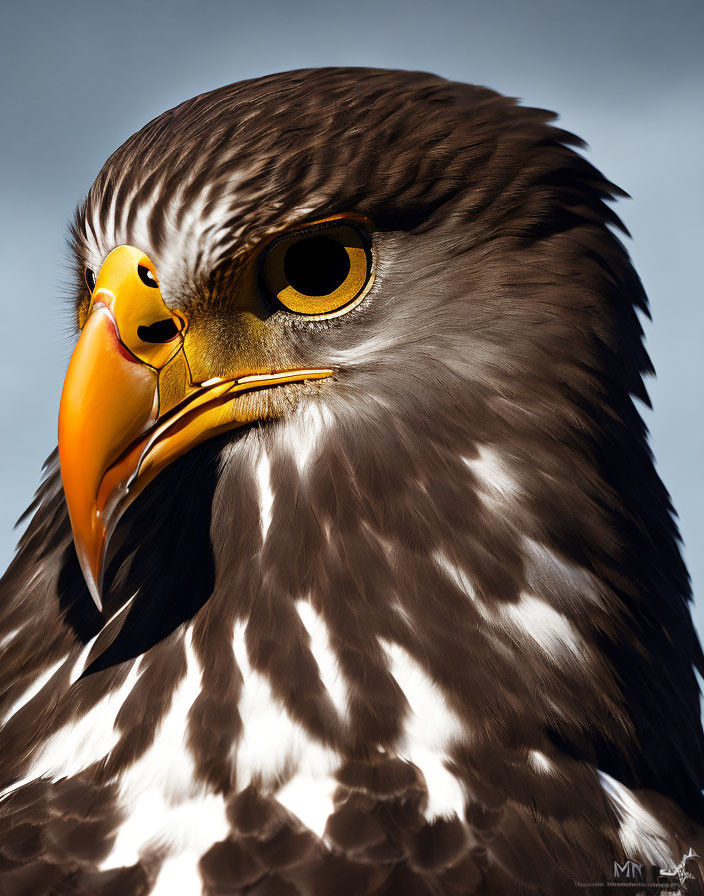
(129, 406)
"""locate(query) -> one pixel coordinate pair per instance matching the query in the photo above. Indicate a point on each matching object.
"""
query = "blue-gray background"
(77, 78)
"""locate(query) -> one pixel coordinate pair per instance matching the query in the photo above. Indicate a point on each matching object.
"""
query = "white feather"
(9, 638)
(496, 482)
(429, 731)
(310, 798)
(641, 834)
(33, 689)
(166, 805)
(272, 743)
(266, 495)
(328, 666)
(459, 578)
(302, 433)
(533, 618)
(84, 741)
(539, 761)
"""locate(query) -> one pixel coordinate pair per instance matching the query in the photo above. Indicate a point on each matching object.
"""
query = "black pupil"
(146, 276)
(90, 279)
(161, 331)
(316, 266)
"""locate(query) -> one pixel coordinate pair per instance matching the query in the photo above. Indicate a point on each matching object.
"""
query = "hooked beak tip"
(93, 577)
(94, 589)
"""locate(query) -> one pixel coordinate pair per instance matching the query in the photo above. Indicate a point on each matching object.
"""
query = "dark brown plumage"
(461, 588)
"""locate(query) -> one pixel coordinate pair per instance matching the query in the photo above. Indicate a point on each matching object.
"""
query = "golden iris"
(321, 271)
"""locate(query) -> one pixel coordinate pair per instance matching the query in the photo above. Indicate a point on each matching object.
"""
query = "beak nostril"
(160, 331)
(146, 276)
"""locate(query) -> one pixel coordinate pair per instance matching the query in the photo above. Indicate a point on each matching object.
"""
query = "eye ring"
(89, 279)
(321, 271)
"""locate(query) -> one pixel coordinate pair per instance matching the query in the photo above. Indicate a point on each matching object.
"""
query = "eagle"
(352, 572)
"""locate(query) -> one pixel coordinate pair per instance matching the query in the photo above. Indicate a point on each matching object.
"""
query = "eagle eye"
(89, 277)
(321, 271)
(146, 276)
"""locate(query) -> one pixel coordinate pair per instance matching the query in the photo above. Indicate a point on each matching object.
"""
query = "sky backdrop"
(77, 78)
